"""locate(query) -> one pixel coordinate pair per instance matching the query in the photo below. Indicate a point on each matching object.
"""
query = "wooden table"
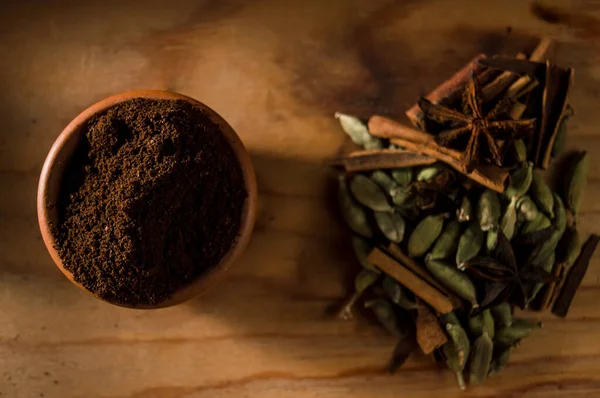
(277, 71)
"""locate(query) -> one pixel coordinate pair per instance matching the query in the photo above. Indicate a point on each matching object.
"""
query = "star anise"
(484, 129)
(507, 273)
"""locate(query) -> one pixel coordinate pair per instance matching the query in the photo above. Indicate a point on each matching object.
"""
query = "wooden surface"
(277, 71)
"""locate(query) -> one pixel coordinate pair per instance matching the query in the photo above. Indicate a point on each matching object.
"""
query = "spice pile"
(453, 222)
(152, 198)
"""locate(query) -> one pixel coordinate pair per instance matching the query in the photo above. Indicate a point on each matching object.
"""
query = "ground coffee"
(152, 198)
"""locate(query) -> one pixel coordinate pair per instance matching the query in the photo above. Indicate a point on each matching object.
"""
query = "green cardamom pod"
(362, 249)
(528, 211)
(397, 294)
(403, 176)
(482, 322)
(568, 248)
(465, 212)
(369, 194)
(454, 280)
(445, 245)
(560, 140)
(481, 358)
(470, 244)
(521, 151)
(508, 222)
(520, 329)
(385, 182)
(520, 181)
(501, 360)
(391, 225)
(426, 232)
(453, 361)
(576, 181)
(488, 210)
(542, 195)
(548, 248)
(560, 214)
(546, 265)
(354, 215)
(491, 240)
(428, 173)
(502, 314)
(539, 223)
(358, 131)
(401, 196)
(457, 351)
(384, 312)
(365, 279)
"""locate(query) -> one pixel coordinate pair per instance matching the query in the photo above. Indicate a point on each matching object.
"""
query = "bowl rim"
(61, 151)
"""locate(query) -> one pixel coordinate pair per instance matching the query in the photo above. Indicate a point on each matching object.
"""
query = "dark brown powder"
(152, 198)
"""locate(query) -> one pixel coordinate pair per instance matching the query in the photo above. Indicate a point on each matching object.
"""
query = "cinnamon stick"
(554, 102)
(574, 277)
(429, 333)
(500, 83)
(525, 84)
(411, 281)
(549, 295)
(375, 159)
(397, 253)
(418, 141)
(446, 89)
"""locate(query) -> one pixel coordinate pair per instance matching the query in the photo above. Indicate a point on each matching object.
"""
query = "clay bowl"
(67, 142)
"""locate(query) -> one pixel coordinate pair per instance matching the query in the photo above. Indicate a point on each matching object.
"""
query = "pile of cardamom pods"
(482, 252)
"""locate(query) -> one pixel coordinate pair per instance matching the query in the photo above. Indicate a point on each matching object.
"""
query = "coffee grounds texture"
(152, 199)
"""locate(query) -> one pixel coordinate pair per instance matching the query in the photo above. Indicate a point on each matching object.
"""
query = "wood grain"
(277, 71)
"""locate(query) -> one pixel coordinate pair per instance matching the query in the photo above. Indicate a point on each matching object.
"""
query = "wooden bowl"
(64, 147)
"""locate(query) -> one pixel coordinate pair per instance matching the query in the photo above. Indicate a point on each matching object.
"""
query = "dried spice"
(488, 210)
(573, 280)
(376, 159)
(576, 180)
(481, 358)
(514, 333)
(411, 281)
(520, 181)
(502, 314)
(369, 194)
(152, 199)
(454, 280)
(457, 351)
(528, 211)
(403, 176)
(542, 195)
(391, 225)
(429, 333)
(426, 232)
(505, 274)
(508, 222)
(483, 129)
(354, 215)
(445, 246)
(465, 212)
(358, 131)
(529, 231)
(470, 244)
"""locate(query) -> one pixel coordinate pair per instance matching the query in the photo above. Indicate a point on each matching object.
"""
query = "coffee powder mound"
(152, 198)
